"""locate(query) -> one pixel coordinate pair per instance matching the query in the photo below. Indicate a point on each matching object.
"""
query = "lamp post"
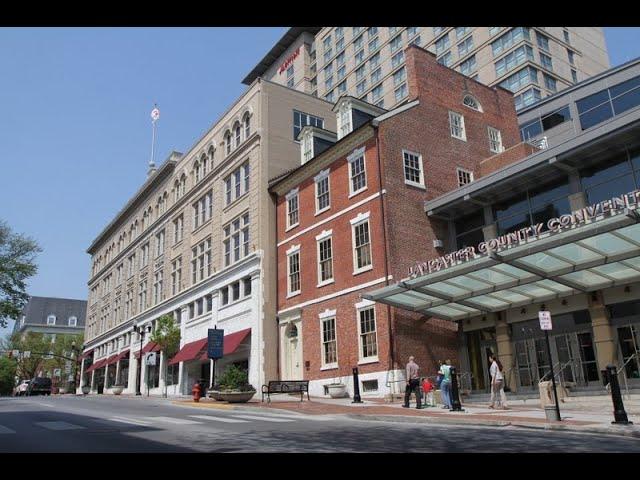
(75, 364)
(140, 331)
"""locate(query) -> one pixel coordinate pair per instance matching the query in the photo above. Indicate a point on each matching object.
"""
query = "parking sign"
(545, 320)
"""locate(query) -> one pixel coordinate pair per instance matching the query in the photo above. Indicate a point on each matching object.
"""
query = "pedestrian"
(497, 382)
(439, 376)
(427, 389)
(413, 383)
(445, 385)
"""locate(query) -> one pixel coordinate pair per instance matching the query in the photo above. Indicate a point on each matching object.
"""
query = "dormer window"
(51, 320)
(345, 125)
(307, 146)
(73, 321)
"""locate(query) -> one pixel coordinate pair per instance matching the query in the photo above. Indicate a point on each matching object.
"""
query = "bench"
(285, 386)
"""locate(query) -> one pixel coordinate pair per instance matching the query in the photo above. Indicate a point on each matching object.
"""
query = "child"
(427, 389)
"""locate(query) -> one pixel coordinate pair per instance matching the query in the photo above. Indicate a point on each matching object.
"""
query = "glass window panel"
(470, 239)
(410, 301)
(516, 222)
(468, 283)
(575, 253)
(635, 262)
(596, 116)
(586, 278)
(558, 287)
(457, 307)
(493, 276)
(627, 101)
(544, 262)
(613, 167)
(556, 118)
(510, 296)
(488, 302)
(616, 270)
(448, 289)
(624, 87)
(632, 232)
(609, 244)
(511, 270)
(634, 153)
(534, 290)
(542, 196)
(449, 312)
(531, 129)
(591, 101)
(514, 205)
(609, 189)
(469, 222)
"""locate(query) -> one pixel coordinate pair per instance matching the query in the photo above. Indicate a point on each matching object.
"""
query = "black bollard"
(456, 406)
(356, 387)
(618, 407)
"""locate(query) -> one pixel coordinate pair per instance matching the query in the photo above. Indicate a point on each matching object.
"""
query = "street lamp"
(140, 330)
(75, 369)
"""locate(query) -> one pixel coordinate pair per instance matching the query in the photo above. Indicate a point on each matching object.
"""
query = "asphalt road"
(133, 425)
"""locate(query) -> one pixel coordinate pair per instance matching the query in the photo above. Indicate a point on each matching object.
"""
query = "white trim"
(335, 294)
(292, 293)
(317, 179)
(500, 146)
(463, 170)
(293, 249)
(419, 184)
(332, 217)
(330, 366)
(327, 314)
(361, 217)
(321, 175)
(375, 320)
(462, 127)
(357, 153)
(321, 236)
(370, 359)
(394, 112)
(364, 304)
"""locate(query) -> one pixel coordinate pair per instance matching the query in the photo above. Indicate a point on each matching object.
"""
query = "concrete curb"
(617, 430)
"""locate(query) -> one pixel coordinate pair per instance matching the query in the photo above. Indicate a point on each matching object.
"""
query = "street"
(131, 425)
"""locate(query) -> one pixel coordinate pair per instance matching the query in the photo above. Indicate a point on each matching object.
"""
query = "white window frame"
(160, 243)
(345, 119)
(356, 155)
(294, 250)
(293, 193)
(74, 323)
(355, 222)
(360, 307)
(419, 184)
(452, 116)
(463, 170)
(324, 174)
(323, 317)
(322, 237)
(500, 147)
(49, 318)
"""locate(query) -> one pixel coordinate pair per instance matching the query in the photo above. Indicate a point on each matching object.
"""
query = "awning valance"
(598, 255)
(112, 359)
(149, 347)
(231, 342)
(95, 366)
(189, 351)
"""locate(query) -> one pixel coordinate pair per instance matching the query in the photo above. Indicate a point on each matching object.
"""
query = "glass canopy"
(598, 255)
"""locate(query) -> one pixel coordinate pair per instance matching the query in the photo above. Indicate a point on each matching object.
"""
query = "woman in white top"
(497, 382)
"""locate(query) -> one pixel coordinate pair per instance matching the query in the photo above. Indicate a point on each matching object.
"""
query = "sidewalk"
(576, 419)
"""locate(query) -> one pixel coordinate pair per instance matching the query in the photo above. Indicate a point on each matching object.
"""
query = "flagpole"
(155, 115)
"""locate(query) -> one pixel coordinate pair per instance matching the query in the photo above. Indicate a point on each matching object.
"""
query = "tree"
(167, 336)
(27, 368)
(17, 254)
(7, 375)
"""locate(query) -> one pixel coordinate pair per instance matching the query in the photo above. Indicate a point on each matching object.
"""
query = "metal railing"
(559, 376)
(623, 370)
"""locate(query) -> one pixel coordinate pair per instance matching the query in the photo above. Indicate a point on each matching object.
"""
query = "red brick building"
(350, 219)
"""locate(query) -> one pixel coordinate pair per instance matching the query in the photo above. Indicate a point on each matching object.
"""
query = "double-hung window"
(145, 255)
(361, 243)
(325, 258)
(201, 261)
(323, 200)
(236, 184)
(176, 275)
(292, 209)
(367, 333)
(159, 243)
(293, 270)
(456, 126)
(178, 229)
(495, 140)
(202, 210)
(413, 173)
(357, 172)
(236, 239)
(158, 294)
(329, 342)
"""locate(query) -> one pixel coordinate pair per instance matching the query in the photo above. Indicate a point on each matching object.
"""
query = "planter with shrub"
(234, 386)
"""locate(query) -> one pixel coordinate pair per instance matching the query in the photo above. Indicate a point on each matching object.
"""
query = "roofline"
(57, 298)
(278, 49)
(581, 84)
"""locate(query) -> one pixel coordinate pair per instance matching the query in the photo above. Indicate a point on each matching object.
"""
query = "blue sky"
(75, 131)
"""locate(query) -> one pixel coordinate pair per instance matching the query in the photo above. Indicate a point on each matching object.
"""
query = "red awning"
(149, 347)
(231, 342)
(98, 364)
(189, 351)
(85, 355)
(111, 360)
(122, 355)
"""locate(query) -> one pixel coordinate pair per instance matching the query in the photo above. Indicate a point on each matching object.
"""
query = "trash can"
(551, 413)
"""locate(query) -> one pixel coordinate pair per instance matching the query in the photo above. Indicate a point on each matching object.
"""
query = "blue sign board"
(215, 348)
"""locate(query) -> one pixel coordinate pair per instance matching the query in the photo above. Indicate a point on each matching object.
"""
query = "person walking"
(445, 385)
(413, 384)
(497, 383)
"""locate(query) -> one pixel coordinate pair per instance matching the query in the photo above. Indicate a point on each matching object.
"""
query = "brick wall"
(512, 155)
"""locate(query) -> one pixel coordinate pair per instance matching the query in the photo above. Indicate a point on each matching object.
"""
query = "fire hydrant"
(197, 392)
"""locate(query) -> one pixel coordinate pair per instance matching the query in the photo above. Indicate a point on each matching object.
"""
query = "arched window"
(247, 125)
(471, 102)
(227, 142)
(197, 171)
(204, 161)
(145, 221)
(183, 184)
(51, 319)
(73, 321)
(237, 130)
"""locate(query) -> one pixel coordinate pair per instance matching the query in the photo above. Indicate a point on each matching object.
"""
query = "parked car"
(21, 389)
(39, 386)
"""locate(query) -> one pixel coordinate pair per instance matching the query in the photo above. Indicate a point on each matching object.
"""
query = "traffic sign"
(545, 320)
(151, 358)
(215, 346)
(15, 353)
(67, 367)
(26, 354)
(56, 372)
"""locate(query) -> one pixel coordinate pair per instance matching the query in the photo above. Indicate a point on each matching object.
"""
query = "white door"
(294, 352)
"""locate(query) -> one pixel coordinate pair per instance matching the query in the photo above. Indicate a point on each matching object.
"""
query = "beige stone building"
(196, 241)
(368, 62)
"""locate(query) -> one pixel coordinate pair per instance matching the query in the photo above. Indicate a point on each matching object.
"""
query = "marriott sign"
(554, 225)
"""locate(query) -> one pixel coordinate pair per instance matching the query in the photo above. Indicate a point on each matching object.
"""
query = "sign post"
(215, 350)
(151, 360)
(546, 325)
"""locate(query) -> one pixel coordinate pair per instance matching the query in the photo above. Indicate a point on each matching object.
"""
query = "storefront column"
(118, 372)
(93, 380)
(603, 332)
(184, 314)
(143, 381)
(106, 377)
(133, 373)
(81, 375)
(163, 380)
(505, 350)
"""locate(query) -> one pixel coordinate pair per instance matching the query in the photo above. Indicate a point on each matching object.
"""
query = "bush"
(235, 378)
(7, 376)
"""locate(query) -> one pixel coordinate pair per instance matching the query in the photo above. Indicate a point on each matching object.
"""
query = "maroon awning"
(85, 355)
(111, 360)
(122, 355)
(231, 342)
(149, 347)
(189, 351)
(98, 364)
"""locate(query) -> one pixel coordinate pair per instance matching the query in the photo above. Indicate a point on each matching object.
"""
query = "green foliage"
(17, 255)
(30, 342)
(235, 378)
(7, 375)
(167, 335)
